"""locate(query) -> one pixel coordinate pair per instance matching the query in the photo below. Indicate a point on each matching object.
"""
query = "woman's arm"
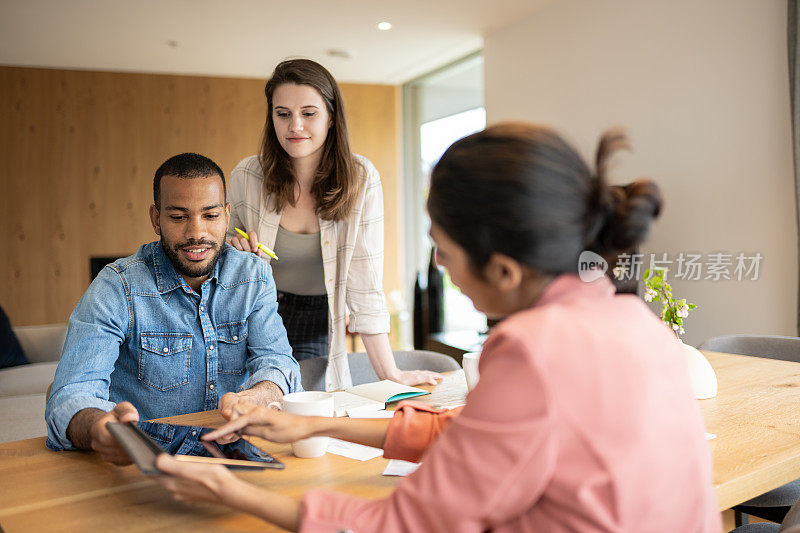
(380, 355)
(410, 434)
(278, 426)
(195, 482)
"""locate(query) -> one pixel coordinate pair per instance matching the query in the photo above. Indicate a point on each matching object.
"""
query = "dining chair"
(790, 524)
(775, 504)
(312, 371)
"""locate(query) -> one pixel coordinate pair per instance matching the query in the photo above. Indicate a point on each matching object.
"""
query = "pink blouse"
(583, 420)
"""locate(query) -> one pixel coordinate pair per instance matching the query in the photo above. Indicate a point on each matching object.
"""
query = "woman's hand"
(245, 245)
(195, 482)
(380, 355)
(416, 377)
(270, 424)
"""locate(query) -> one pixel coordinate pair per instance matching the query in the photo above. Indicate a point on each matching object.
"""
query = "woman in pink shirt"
(583, 419)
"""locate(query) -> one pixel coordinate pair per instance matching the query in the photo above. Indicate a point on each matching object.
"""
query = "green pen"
(260, 246)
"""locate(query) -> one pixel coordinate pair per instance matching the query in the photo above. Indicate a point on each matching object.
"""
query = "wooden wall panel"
(373, 116)
(79, 150)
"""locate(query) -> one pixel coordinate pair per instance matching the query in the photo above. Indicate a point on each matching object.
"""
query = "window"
(440, 108)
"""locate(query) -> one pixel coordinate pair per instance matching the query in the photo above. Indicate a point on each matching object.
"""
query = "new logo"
(591, 266)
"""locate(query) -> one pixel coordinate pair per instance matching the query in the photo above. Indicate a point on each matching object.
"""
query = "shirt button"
(194, 432)
(236, 337)
(211, 348)
(211, 386)
(166, 349)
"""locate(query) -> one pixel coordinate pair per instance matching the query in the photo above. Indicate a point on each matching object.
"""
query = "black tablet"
(145, 441)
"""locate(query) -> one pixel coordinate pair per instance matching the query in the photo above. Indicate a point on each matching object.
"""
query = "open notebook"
(372, 396)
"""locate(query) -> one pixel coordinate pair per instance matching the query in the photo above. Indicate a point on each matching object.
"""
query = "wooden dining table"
(755, 418)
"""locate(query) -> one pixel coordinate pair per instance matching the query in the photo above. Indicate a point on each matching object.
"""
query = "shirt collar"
(167, 278)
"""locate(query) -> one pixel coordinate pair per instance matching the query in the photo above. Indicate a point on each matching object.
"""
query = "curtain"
(793, 36)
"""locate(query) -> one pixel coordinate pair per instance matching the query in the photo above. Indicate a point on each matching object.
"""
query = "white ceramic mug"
(309, 403)
(469, 361)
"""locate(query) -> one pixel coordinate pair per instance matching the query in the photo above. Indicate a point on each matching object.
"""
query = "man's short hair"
(188, 165)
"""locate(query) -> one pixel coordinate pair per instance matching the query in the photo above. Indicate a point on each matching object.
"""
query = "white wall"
(702, 88)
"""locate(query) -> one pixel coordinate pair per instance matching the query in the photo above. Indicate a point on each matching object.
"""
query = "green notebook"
(372, 396)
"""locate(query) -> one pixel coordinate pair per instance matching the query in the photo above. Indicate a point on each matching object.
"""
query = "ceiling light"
(383, 26)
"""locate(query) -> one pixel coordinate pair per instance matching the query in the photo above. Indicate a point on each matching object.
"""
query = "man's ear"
(503, 273)
(155, 219)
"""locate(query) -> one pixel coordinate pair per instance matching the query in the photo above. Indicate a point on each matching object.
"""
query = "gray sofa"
(23, 388)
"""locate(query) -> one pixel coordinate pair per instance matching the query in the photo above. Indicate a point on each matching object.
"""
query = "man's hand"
(87, 430)
(104, 443)
(232, 403)
(262, 394)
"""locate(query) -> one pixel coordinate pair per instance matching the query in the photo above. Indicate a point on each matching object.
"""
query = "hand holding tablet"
(143, 450)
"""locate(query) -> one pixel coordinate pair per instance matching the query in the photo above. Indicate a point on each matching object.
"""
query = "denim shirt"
(141, 334)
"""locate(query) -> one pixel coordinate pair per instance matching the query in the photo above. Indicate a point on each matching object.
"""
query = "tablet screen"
(184, 443)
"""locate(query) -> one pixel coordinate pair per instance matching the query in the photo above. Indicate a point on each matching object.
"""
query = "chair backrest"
(767, 346)
(312, 371)
(791, 522)
(42, 344)
(362, 372)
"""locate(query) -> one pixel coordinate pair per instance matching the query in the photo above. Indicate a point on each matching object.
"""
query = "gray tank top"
(299, 269)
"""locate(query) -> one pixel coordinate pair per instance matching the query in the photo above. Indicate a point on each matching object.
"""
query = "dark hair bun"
(623, 214)
(635, 207)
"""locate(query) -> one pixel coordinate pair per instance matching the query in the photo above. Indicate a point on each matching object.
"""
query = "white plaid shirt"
(352, 257)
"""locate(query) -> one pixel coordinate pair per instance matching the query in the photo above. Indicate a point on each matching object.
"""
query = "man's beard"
(190, 269)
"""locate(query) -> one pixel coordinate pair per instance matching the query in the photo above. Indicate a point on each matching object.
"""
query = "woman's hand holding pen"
(247, 245)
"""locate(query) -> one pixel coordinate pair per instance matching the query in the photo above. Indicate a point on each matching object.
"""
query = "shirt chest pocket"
(232, 347)
(164, 359)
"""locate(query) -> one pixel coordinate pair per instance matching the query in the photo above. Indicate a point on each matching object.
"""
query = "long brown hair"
(337, 179)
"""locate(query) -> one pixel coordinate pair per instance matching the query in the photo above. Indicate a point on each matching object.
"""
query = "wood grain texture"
(80, 149)
(756, 417)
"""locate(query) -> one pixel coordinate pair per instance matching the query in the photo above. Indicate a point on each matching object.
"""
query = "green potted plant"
(673, 313)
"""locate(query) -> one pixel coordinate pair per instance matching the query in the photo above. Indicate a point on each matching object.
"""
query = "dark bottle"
(435, 295)
(421, 312)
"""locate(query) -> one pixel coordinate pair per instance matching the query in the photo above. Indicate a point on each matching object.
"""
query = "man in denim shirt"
(186, 324)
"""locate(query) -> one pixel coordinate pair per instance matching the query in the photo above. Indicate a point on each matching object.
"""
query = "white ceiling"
(247, 38)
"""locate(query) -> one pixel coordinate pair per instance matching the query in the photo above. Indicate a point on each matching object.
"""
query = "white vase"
(701, 374)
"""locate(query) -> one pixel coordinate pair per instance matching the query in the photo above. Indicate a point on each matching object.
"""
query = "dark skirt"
(306, 321)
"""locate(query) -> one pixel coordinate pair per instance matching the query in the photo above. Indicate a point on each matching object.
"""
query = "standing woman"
(320, 208)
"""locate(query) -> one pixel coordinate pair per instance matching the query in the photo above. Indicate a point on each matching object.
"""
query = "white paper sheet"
(396, 467)
(353, 450)
(344, 402)
(360, 413)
